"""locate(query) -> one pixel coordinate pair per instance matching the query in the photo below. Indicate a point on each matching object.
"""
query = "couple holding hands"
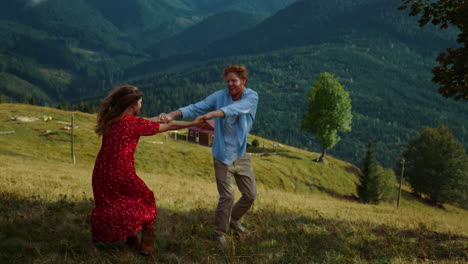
(123, 202)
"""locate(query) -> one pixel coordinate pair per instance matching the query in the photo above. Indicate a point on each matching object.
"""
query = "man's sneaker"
(220, 239)
(239, 228)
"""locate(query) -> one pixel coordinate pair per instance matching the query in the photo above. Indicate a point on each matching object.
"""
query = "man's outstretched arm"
(167, 118)
(216, 113)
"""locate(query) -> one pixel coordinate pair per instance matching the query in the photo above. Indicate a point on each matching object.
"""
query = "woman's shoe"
(133, 241)
(147, 237)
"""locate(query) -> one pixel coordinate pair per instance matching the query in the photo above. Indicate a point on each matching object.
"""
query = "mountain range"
(55, 50)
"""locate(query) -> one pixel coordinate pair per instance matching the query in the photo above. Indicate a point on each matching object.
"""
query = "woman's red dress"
(123, 201)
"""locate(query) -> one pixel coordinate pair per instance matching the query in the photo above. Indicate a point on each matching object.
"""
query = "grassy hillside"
(289, 169)
(45, 203)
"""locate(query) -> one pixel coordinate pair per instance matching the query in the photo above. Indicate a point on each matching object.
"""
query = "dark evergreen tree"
(33, 100)
(65, 105)
(22, 99)
(368, 188)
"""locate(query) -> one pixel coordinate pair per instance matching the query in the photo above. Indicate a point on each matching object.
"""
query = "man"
(234, 110)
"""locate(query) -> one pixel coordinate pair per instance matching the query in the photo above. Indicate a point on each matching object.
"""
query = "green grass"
(45, 204)
(289, 168)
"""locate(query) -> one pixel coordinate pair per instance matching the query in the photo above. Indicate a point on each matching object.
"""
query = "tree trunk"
(322, 157)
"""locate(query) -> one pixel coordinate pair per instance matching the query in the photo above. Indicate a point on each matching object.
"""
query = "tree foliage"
(368, 188)
(452, 73)
(329, 111)
(387, 184)
(255, 143)
(375, 183)
(437, 166)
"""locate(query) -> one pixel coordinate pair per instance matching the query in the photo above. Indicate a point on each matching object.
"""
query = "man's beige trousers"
(242, 171)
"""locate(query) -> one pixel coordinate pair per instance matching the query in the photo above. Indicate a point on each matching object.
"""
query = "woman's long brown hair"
(114, 105)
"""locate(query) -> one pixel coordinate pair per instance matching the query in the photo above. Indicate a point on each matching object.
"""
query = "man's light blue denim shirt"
(230, 138)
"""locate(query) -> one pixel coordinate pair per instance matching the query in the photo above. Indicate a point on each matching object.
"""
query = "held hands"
(168, 118)
(200, 120)
(165, 118)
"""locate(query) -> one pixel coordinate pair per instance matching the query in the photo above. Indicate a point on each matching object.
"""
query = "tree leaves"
(437, 166)
(329, 111)
(452, 74)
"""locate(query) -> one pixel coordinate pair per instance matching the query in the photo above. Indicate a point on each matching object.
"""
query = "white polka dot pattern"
(123, 202)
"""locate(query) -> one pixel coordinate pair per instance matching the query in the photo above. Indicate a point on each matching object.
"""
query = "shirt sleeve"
(145, 127)
(200, 108)
(243, 106)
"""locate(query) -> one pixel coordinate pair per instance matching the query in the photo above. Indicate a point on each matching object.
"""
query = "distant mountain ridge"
(380, 54)
(309, 22)
(175, 51)
(256, 6)
(92, 42)
(211, 29)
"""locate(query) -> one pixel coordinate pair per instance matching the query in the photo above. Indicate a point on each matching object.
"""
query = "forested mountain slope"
(209, 30)
(392, 96)
(175, 50)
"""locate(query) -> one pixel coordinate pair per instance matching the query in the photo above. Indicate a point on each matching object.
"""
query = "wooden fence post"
(401, 181)
(72, 140)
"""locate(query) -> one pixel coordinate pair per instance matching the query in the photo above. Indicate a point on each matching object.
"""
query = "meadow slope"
(304, 212)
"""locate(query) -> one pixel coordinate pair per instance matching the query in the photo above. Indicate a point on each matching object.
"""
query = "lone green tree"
(368, 188)
(452, 72)
(437, 166)
(329, 112)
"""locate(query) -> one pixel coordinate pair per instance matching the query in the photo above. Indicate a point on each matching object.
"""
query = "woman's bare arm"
(156, 119)
(174, 125)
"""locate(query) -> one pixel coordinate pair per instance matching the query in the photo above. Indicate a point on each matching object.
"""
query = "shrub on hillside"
(387, 184)
(437, 166)
(255, 143)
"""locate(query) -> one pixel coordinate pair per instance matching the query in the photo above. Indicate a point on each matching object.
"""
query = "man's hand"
(205, 116)
(167, 118)
(200, 120)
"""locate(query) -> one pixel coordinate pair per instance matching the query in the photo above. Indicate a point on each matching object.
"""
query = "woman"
(123, 202)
